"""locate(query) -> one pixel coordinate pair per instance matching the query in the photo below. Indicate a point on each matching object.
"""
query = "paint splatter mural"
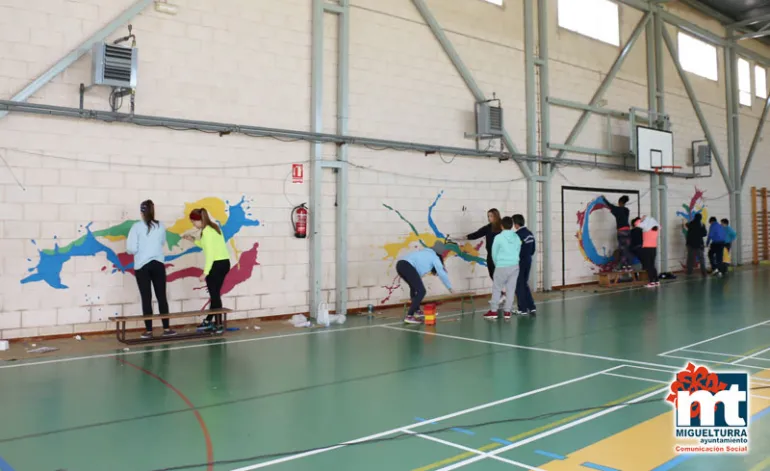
(232, 219)
(603, 261)
(467, 252)
(697, 205)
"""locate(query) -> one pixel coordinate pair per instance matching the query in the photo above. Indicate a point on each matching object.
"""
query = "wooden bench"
(444, 298)
(611, 278)
(120, 331)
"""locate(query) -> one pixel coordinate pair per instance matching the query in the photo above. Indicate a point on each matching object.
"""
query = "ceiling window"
(698, 57)
(760, 81)
(744, 82)
(597, 19)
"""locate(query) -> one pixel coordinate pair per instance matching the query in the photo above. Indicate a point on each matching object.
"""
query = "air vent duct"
(115, 66)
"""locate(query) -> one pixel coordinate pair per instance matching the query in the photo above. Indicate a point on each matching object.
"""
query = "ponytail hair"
(148, 214)
(202, 215)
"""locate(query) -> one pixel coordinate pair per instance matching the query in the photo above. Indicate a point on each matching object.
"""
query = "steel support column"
(343, 55)
(573, 135)
(696, 106)
(530, 87)
(86, 46)
(316, 154)
(546, 170)
(660, 107)
(732, 101)
(652, 105)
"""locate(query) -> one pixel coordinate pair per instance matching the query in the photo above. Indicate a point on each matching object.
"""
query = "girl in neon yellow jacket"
(212, 241)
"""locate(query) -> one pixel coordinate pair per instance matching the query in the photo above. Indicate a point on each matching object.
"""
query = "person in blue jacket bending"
(730, 235)
(412, 267)
(716, 241)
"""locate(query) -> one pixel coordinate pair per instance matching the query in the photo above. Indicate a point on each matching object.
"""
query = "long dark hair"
(148, 214)
(497, 223)
(202, 215)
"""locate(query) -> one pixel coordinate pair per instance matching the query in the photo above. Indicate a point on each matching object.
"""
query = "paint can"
(430, 314)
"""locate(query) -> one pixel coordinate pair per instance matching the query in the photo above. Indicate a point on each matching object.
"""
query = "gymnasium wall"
(70, 188)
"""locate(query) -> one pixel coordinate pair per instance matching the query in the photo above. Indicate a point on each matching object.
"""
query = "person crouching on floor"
(412, 267)
(505, 253)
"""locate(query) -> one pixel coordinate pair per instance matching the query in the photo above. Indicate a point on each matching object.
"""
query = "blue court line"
(4, 466)
(501, 441)
(550, 455)
(597, 467)
(674, 462)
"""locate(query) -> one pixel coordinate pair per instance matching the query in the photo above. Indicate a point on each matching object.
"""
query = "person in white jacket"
(145, 242)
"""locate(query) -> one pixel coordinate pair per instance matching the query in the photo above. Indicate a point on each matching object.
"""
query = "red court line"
(201, 422)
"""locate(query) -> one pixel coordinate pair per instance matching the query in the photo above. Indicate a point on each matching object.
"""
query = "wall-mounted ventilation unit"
(114, 66)
(701, 154)
(489, 120)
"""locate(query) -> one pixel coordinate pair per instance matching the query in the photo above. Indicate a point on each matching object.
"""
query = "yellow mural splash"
(394, 249)
(215, 207)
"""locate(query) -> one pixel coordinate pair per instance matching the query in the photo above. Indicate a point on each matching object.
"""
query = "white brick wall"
(249, 62)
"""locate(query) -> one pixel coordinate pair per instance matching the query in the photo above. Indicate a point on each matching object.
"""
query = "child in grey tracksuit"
(505, 252)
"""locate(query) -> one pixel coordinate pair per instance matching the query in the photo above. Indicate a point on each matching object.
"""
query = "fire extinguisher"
(299, 221)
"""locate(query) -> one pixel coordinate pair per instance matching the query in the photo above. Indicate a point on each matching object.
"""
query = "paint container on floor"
(430, 314)
(4, 345)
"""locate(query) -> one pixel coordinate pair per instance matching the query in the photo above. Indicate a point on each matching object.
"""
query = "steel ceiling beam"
(464, 72)
(62, 64)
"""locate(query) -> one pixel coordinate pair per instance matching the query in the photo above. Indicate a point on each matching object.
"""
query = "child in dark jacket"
(696, 231)
(524, 299)
(716, 241)
(489, 232)
(622, 213)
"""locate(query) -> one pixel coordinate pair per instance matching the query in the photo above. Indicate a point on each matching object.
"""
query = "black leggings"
(214, 281)
(647, 257)
(152, 275)
(416, 287)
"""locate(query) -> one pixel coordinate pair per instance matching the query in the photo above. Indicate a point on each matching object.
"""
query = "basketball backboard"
(654, 150)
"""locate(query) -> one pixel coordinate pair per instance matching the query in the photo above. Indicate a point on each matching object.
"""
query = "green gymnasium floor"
(259, 402)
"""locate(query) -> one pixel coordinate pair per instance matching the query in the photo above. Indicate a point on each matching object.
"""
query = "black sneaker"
(219, 330)
(205, 326)
(147, 335)
(169, 333)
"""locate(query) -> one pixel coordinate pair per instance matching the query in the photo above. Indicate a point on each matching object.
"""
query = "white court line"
(420, 424)
(473, 450)
(649, 369)
(733, 363)
(761, 397)
(563, 299)
(561, 428)
(208, 344)
(635, 377)
(753, 326)
(754, 356)
(536, 349)
(719, 354)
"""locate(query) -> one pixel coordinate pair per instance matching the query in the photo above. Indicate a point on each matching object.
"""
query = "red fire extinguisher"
(299, 221)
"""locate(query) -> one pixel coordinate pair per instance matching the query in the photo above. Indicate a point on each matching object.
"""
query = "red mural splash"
(238, 274)
(241, 272)
(394, 285)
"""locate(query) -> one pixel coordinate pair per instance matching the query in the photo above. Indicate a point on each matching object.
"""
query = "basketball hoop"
(666, 168)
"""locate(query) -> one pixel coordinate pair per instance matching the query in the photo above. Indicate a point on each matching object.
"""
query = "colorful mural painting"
(232, 219)
(603, 261)
(467, 252)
